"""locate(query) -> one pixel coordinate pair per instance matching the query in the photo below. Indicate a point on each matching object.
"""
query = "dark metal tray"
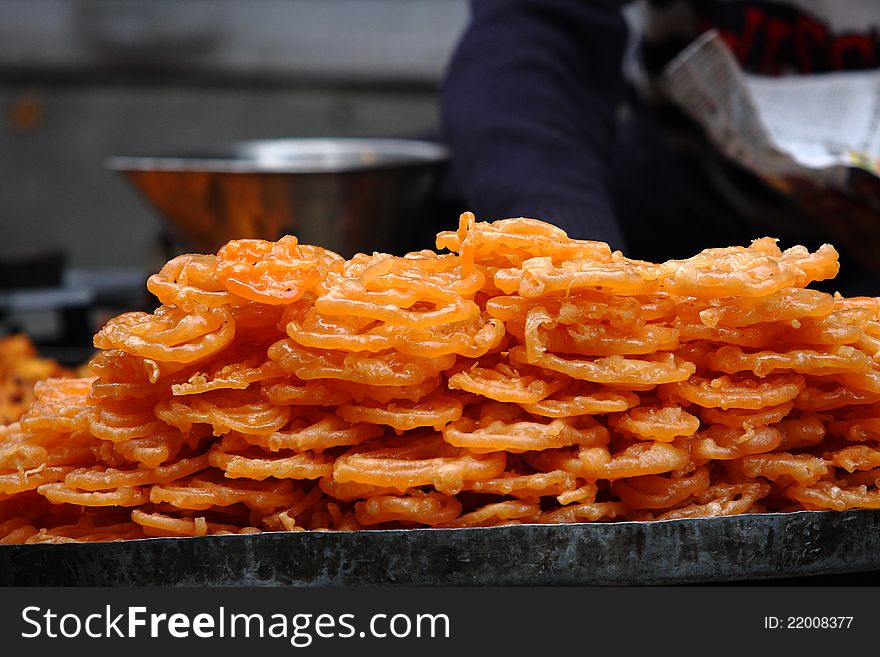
(747, 547)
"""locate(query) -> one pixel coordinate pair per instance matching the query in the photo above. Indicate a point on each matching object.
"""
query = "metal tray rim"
(746, 547)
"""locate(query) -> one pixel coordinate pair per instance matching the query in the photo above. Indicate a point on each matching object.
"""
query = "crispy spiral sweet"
(20, 368)
(525, 377)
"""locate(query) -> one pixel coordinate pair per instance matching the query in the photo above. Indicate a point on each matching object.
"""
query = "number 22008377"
(808, 622)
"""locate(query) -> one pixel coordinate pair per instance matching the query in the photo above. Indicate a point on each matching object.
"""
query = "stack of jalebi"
(525, 377)
(20, 368)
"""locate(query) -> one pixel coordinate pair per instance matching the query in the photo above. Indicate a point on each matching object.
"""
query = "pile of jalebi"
(525, 377)
(20, 368)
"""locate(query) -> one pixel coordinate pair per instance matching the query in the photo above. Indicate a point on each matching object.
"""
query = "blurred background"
(83, 80)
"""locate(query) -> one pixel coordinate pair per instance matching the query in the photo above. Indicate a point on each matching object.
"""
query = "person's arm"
(528, 108)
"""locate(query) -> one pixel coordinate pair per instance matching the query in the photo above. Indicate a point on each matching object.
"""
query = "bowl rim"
(255, 156)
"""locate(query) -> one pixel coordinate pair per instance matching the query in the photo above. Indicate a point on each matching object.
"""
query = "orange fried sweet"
(21, 367)
(171, 334)
(189, 279)
(426, 460)
(273, 272)
(521, 377)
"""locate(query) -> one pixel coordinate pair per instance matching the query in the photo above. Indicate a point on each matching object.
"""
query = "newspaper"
(823, 129)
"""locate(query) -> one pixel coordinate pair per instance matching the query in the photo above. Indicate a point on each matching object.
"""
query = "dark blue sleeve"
(528, 108)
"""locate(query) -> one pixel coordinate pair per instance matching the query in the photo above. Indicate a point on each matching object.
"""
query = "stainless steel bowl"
(348, 195)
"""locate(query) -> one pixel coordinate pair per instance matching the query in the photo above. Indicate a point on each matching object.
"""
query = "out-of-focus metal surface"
(338, 155)
(348, 195)
(748, 547)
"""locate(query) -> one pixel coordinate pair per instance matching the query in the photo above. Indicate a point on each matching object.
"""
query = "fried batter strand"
(522, 377)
